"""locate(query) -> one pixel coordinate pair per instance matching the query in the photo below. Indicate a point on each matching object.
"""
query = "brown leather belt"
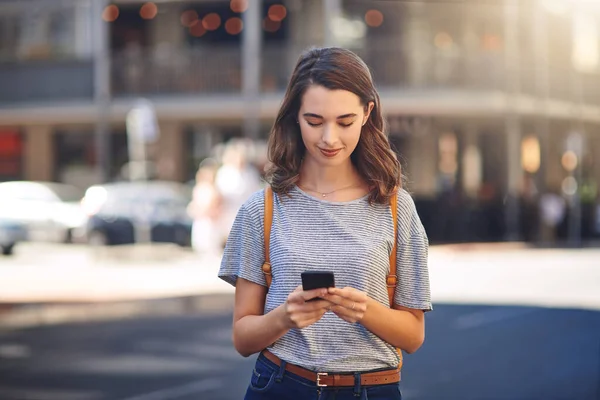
(323, 379)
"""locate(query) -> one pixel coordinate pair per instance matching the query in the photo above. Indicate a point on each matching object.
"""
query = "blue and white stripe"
(354, 239)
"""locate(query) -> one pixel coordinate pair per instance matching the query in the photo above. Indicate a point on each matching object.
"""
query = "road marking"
(12, 350)
(480, 318)
(204, 351)
(180, 391)
(48, 394)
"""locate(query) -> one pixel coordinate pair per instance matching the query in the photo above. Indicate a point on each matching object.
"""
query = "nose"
(330, 135)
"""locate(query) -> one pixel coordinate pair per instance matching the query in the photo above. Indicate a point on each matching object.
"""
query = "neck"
(325, 179)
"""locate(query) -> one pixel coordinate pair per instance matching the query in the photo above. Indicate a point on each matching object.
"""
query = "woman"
(333, 174)
(205, 210)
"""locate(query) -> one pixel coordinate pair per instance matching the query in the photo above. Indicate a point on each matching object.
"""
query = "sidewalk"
(81, 285)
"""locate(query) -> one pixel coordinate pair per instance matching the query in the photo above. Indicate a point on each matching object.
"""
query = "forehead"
(329, 103)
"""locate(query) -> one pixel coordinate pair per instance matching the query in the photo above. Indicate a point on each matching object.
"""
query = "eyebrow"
(311, 115)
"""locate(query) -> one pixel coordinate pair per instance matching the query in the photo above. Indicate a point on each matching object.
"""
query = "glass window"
(66, 193)
(61, 31)
(45, 32)
(9, 35)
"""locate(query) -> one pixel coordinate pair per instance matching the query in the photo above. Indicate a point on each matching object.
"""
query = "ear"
(368, 109)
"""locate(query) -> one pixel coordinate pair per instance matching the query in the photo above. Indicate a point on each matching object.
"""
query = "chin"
(340, 159)
(333, 163)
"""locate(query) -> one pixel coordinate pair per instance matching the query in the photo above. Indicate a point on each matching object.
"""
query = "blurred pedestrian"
(553, 208)
(236, 180)
(205, 210)
(335, 191)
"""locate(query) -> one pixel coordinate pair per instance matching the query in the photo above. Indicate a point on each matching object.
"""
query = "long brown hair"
(335, 69)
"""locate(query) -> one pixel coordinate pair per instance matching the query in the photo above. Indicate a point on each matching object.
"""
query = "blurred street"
(504, 273)
(48, 272)
(475, 353)
(509, 322)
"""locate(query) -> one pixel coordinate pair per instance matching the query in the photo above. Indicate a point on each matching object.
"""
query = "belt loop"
(357, 384)
(279, 376)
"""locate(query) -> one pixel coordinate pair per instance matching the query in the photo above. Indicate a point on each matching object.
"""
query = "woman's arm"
(253, 331)
(401, 327)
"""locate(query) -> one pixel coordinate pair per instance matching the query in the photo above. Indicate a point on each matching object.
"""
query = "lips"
(330, 152)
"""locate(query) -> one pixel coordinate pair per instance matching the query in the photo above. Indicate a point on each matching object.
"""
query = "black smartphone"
(317, 280)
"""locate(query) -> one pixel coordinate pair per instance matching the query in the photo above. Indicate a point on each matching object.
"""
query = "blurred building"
(491, 104)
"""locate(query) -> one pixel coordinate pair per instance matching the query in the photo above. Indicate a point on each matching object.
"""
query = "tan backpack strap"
(392, 279)
(268, 221)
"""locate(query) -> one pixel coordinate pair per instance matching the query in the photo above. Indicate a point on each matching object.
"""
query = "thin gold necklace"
(325, 194)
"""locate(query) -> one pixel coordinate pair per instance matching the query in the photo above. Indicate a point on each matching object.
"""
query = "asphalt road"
(471, 352)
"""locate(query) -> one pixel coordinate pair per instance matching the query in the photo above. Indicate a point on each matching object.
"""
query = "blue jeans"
(272, 382)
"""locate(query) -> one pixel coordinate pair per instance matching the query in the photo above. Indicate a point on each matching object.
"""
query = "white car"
(11, 233)
(51, 212)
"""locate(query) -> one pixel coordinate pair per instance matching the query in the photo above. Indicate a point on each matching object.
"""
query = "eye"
(313, 123)
(345, 125)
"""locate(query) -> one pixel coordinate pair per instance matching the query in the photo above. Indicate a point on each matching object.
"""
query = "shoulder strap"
(392, 279)
(268, 221)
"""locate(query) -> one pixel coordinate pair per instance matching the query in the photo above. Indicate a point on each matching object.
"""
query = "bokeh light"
(277, 12)
(234, 26)
(569, 161)
(110, 13)
(211, 22)
(238, 6)
(189, 18)
(197, 30)
(374, 18)
(569, 186)
(148, 10)
(530, 154)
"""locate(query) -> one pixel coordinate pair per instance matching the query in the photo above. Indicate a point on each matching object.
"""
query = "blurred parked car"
(50, 211)
(11, 232)
(119, 212)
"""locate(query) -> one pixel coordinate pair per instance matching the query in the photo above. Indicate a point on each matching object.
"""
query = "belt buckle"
(319, 375)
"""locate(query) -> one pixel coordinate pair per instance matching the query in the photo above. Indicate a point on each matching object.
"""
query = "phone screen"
(317, 280)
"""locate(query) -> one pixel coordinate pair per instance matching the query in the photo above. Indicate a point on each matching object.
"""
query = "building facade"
(490, 105)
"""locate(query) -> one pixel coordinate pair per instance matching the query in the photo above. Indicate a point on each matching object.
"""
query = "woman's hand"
(348, 303)
(300, 313)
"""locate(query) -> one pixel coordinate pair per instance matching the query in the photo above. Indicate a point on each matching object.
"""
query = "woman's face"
(330, 123)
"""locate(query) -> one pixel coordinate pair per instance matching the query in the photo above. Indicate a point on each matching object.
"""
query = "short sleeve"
(244, 252)
(413, 289)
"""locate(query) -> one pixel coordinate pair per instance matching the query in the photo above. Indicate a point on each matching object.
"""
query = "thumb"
(311, 294)
(296, 296)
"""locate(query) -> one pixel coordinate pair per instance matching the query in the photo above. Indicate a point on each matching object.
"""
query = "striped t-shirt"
(354, 240)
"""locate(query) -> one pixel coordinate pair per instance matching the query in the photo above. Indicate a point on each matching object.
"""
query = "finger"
(318, 305)
(343, 293)
(343, 313)
(349, 293)
(301, 296)
(313, 306)
(311, 294)
(334, 298)
(310, 318)
(347, 314)
(347, 303)
(295, 296)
